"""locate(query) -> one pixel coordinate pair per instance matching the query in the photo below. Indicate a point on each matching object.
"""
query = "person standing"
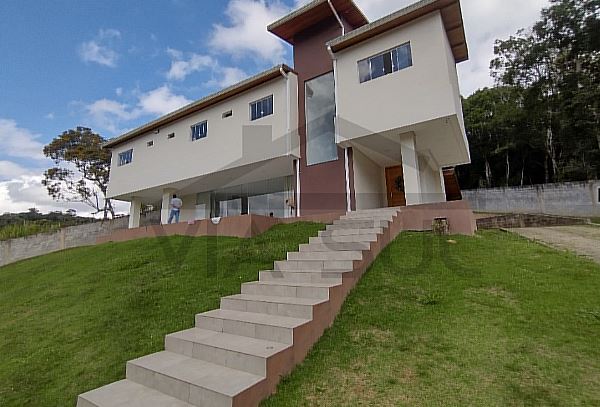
(175, 205)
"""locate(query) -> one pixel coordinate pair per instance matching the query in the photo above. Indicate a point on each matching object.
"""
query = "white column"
(410, 168)
(166, 200)
(135, 211)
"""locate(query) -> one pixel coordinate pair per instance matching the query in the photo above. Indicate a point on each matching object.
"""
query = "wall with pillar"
(432, 184)
(410, 168)
(369, 182)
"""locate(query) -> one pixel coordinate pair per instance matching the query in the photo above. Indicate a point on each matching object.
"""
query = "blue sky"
(114, 65)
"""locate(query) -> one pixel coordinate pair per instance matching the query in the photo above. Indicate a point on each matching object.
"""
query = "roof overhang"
(202, 104)
(312, 13)
(450, 11)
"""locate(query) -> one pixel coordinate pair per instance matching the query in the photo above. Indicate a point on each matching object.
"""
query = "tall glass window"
(320, 120)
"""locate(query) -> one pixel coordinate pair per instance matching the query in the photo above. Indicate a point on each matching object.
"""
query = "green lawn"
(70, 320)
(492, 320)
(486, 320)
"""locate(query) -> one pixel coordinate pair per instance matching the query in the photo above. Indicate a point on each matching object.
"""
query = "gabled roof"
(315, 11)
(451, 16)
(203, 103)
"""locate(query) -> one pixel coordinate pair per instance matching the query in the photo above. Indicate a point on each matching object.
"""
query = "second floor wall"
(423, 88)
(219, 137)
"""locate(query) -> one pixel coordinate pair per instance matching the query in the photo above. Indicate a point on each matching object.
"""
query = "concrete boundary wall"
(562, 199)
(73, 236)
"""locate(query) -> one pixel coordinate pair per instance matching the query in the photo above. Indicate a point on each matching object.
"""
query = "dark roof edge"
(202, 104)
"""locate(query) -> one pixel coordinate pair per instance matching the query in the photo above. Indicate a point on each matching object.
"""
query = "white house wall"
(432, 190)
(179, 158)
(369, 182)
(427, 90)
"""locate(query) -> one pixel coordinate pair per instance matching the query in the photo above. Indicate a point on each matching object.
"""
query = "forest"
(540, 123)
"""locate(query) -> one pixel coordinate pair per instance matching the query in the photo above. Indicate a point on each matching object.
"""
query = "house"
(369, 116)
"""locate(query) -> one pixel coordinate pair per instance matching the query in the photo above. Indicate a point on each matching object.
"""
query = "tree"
(555, 67)
(81, 169)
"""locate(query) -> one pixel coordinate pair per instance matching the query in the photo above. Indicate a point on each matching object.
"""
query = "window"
(150, 143)
(170, 136)
(227, 114)
(125, 157)
(261, 108)
(385, 63)
(320, 120)
(199, 130)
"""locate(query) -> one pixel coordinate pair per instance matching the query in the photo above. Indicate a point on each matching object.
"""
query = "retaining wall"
(562, 199)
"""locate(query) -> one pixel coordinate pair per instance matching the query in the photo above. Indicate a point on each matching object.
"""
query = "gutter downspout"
(337, 135)
(337, 16)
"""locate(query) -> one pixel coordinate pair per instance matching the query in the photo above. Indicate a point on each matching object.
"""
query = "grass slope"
(70, 320)
(491, 320)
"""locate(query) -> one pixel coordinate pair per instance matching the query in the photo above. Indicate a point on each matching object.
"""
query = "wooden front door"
(394, 179)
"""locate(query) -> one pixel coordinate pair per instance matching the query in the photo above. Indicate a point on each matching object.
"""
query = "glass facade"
(320, 120)
(267, 198)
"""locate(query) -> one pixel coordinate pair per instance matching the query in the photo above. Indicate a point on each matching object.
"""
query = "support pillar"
(410, 169)
(166, 201)
(135, 211)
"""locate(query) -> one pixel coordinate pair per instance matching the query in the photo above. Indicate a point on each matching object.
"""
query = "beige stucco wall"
(369, 182)
(425, 91)
(180, 158)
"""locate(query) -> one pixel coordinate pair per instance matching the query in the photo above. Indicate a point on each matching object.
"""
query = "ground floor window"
(272, 197)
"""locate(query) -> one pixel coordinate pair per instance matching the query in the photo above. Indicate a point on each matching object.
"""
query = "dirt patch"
(583, 240)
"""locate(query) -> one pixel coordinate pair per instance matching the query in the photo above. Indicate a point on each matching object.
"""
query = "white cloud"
(49, 116)
(108, 114)
(161, 101)
(16, 141)
(119, 91)
(9, 170)
(99, 49)
(181, 68)
(246, 34)
(229, 76)
(111, 115)
(26, 191)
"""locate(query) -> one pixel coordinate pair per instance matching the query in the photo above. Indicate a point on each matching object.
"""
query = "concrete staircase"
(236, 355)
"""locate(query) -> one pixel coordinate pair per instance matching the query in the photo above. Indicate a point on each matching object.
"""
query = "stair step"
(357, 224)
(127, 393)
(331, 255)
(385, 212)
(233, 351)
(194, 381)
(286, 265)
(296, 307)
(346, 232)
(274, 328)
(288, 289)
(303, 276)
(337, 246)
(364, 238)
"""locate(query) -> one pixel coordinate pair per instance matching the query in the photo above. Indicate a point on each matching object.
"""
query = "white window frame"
(125, 157)
(272, 97)
(203, 122)
(394, 63)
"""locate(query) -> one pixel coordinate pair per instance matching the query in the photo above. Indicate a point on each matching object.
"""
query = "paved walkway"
(584, 240)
